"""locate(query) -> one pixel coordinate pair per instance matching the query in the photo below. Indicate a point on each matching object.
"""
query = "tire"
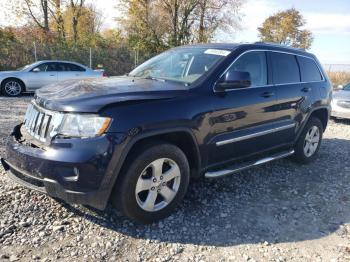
(308, 144)
(12, 87)
(140, 182)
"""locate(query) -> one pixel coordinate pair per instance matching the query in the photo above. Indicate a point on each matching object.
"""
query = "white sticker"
(219, 52)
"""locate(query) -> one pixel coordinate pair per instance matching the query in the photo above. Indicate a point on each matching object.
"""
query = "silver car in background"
(41, 73)
(341, 102)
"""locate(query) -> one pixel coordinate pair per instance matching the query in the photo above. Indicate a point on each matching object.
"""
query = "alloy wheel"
(158, 184)
(312, 139)
(13, 88)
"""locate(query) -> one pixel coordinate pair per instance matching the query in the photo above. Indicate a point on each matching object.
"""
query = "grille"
(41, 123)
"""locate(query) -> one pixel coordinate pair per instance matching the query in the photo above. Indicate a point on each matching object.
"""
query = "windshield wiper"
(155, 78)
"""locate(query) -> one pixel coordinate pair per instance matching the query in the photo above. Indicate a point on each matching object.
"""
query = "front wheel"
(12, 87)
(154, 183)
(309, 141)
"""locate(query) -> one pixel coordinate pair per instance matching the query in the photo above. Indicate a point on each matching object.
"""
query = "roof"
(232, 46)
(58, 61)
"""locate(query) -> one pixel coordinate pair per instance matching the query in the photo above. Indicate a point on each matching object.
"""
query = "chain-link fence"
(115, 61)
(339, 74)
(337, 67)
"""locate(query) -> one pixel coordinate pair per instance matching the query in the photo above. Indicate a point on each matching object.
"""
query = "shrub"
(339, 78)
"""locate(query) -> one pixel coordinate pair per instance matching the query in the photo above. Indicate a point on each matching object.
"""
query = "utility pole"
(90, 57)
(35, 56)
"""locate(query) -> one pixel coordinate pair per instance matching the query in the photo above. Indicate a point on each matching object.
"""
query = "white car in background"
(341, 102)
(41, 73)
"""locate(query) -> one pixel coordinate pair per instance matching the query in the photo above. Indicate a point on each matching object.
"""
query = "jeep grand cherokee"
(203, 110)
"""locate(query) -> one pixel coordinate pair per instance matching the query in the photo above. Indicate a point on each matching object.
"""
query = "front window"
(255, 64)
(183, 65)
(347, 87)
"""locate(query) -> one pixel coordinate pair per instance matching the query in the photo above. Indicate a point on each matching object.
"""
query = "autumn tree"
(87, 24)
(216, 15)
(76, 7)
(285, 28)
(159, 24)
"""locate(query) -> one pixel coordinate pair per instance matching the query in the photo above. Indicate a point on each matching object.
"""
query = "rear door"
(293, 94)
(244, 122)
(69, 71)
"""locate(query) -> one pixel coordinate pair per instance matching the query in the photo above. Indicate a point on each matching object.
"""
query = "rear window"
(309, 70)
(69, 67)
(285, 68)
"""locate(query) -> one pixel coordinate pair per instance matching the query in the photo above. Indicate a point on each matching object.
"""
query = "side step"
(241, 167)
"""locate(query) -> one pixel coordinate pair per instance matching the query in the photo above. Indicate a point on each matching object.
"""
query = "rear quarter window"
(309, 70)
(285, 68)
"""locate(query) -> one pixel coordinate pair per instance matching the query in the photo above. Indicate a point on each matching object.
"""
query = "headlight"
(79, 125)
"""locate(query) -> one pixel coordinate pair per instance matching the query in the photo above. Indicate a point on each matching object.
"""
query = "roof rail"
(278, 44)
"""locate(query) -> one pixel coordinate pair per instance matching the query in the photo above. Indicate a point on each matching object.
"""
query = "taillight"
(104, 74)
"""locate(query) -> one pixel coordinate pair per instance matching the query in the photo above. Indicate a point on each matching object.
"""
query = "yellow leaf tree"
(286, 28)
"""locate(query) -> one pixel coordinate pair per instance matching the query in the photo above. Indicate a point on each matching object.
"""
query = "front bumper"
(70, 169)
(340, 112)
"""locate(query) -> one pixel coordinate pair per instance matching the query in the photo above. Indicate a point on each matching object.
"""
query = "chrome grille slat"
(38, 122)
(43, 131)
(31, 117)
(32, 124)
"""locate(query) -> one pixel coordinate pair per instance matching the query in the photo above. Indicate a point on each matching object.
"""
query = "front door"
(43, 74)
(244, 121)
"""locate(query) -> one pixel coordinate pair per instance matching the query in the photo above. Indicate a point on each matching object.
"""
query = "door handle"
(52, 75)
(306, 89)
(267, 94)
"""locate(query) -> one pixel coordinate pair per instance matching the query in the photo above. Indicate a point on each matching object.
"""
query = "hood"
(91, 95)
(8, 72)
(341, 95)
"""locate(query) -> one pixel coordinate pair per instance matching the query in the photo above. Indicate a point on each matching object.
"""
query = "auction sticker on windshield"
(219, 52)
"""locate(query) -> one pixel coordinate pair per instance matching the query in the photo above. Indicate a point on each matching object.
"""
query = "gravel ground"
(278, 212)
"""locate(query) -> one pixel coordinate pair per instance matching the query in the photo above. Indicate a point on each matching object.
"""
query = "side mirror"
(233, 79)
(36, 70)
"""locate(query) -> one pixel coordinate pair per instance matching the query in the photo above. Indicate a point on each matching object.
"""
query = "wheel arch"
(182, 138)
(14, 78)
(321, 113)
(188, 143)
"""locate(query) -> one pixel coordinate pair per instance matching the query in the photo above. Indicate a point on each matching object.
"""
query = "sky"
(329, 21)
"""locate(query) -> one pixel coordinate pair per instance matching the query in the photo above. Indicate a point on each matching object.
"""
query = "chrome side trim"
(265, 132)
(224, 172)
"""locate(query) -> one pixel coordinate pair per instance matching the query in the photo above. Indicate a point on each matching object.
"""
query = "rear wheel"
(309, 141)
(154, 183)
(12, 87)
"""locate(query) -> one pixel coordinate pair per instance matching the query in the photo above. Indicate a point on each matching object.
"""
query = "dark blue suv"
(193, 111)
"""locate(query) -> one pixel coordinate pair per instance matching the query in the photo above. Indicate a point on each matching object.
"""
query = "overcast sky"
(329, 22)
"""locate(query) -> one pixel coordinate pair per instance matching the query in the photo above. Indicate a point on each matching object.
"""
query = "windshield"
(347, 87)
(183, 65)
(23, 67)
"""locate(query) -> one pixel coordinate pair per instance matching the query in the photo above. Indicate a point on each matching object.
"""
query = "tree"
(58, 21)
(83, 25)
(143, 25)
(159, 24)
(286, 28)
(217, 15)
(76, 7)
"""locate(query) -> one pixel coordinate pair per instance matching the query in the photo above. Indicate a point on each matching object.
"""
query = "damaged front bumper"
(70, 169)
